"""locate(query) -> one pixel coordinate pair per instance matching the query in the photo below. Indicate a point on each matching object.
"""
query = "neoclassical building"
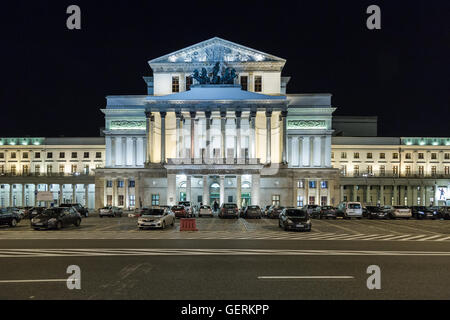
(195, 137)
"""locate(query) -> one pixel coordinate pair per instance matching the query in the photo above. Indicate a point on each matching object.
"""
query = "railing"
(178, 161)
(46, 174)
(392, 175)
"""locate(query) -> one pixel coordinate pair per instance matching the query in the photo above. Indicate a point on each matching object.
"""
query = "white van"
(350, 210)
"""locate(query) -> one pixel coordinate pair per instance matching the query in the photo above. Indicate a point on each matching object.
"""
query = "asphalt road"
(228, 259)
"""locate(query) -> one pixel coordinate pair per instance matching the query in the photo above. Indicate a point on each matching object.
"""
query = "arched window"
(215, 185)
(183, 184)
(246, 185)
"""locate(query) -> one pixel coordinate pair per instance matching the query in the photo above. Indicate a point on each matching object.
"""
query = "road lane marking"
(303, 277)
(429, 238)
(33, 281)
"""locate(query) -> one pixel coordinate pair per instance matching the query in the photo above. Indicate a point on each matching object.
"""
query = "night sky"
(54, 81)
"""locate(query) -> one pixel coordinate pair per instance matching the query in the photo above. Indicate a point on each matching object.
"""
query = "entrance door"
(246, 199)
(183, 196)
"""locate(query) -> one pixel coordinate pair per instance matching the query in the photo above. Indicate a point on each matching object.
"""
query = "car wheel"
(13, 223)
(58, 225)
(77, 223)
(173, 222)
(36, 228)
(100, 216)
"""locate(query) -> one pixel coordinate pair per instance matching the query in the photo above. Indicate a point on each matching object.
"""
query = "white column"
(178, 134)
(316, 151)
(188, 188)
(129, 154)
(256, 178)
(23, 195)
(284, 137)
(328, 151)
(222, 189)
(252, 135)
(171, 189)
(86, 196)
(118, 145)
(208, 134)
(74, 193)
(306, 152)
(108, 151)
(193, 144)
(140, 151)
(355, 193)
(342, 193)
(368, 195)
(268, 136)
(134, 153)
(223, 145)
(60, 195)
(163, 136)
(382, 195)
(238, 135)
(414, 196)
(238, 191)
(205, 198)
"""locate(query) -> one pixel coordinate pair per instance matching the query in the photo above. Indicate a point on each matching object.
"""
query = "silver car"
(110, 212)
(156, 218)
(205, 211)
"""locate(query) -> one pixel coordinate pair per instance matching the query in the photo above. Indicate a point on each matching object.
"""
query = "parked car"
(252, 212)
(110, 212)
(33, 212)
(294, 219)
(56, 218)
(444, 213)
(327, 212)
(422, 212)
(265, 210)
(394, 212)
(205, 211)
(81, 210)
(274, 211)
(229, 210)
(180, 211)
(9, 217)
(375, 212)
(349, 210)
(187, 206)
(313, 210)
(156, 218)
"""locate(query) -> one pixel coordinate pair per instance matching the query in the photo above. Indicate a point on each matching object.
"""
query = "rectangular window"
(356, 155)
(433, 170)
(13, 155)
(421, 171)
(356, 171)
(312, 200)
(74, 155)
(323, 201)
(37, 155)
(13, 169)
(447, 156)
(299, 201)
(276, 199)
(395, 155)
(408, 156)
(332, 155)
(74, 168)
(344, 170)
(420, 156)
(121, 200)
(312, 184)
(344, 155)
(369, 170)
(433, 156)
(109, 183)
(2, 169)
(408, 170)
(369, 155)
(119, 183)
(244, 83)
(382, 171)
(49, 169)
(230, 199)
(131, 184)
(175, 84)
(86, 169)
(62, 155)
(189, 82)
(98, 155)
(37, 169)
(395, 170)
(25, 169)
(61, 169)
(49, 155)
(300, 184)
(258, 84)
(447, 170)
(132, 200)
(109, 200)
(25, 155)
(324, 184)
(2, 155)
(382, 155)
(86, 155)
(155, 199)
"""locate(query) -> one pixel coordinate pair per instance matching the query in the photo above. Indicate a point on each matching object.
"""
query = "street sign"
(44, 196)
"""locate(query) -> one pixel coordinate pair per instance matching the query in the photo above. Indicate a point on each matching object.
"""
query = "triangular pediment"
(216, 50)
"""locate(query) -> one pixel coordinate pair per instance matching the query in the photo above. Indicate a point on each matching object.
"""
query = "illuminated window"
(433, 170)
(369, 155)
(13, 169)
(189, 82)
(420, 156)
(447, 156)
(175, 84)
(356, 155)
(324, 184)
(109, 183)
(395, 155)
(447, 170)
(155, 199)
(276, 199)
(395, 170)
(300, 184)
(408, 156)
(131, 184)
(382, 171)
(312, 184)
(13, 155)
(433, 156)
(356, 170)
(86, 155)
(408, 170)
(382, 156)
(344, 155)
(323, 201)
(37, 169)
(344, 170)
(369, 169)
(49, 169)
(25, 155)
(299, 201)
(25, 169)
(244, 83)
(74, 168)
(121, 201)
(109, 200)
(61, 169)
(74, 155)
(119, 183)
(258, 84)
(312, 200)
(2, 169)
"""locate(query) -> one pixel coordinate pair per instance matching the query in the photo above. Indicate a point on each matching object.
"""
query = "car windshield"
(400, 207)
(229, 206)
(253, 207)
(296, 213)
(354, 206)
(205, 207)
(177, 208)
(153, 212)
(51, 213)
(186, 204)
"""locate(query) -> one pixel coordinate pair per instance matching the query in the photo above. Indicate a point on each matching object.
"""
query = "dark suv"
(9, 217)
(56, 218)
(229, 210)
(294, 219)
(81, 210)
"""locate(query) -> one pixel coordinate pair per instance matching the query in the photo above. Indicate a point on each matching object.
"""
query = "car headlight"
(53, 220)
(309, 221)
(289, 221)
